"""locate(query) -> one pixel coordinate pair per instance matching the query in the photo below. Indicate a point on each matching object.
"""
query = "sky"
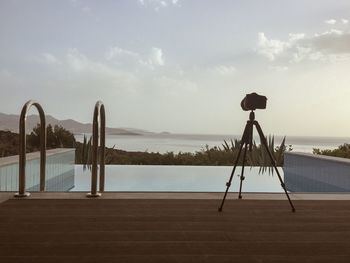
(181, 66)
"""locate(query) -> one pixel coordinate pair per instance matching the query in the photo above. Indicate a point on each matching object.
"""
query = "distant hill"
(10, 122)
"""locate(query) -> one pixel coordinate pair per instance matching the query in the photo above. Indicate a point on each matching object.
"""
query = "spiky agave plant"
(109, 155)
(260, 157)
(84, 154)
(235, 145)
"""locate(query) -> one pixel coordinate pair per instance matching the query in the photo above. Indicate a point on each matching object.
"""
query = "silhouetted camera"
(253, 101)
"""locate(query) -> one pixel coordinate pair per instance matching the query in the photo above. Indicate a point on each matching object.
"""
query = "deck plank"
(173, 230)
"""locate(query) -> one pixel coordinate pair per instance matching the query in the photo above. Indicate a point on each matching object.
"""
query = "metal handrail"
(22, 148)
(99, 112)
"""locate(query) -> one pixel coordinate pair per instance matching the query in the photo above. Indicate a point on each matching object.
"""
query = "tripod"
(247, 142)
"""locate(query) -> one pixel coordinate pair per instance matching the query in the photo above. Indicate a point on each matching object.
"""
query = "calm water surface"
(177, 179)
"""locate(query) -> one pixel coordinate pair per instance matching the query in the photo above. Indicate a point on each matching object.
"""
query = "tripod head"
(252, 116)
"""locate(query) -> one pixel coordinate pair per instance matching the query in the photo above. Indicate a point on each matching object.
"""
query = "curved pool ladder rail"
(99, 113)
(22, 148)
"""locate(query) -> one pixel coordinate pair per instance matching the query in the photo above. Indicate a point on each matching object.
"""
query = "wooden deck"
(173, 230)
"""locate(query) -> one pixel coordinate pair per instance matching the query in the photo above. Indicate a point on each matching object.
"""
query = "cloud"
(298, 47)
(278, 68)
(331, 21)
(5, 73)
(270, 48)
(176, 86)
(156, 57)
(81, 67)
(80, 4)
(306, 53)
(115, 59)
(295, 37)
(119, 52)
(333, 41)
(224, 70)
(345, 21)
(77, 61)
(121, 71)
(133, 59)
(82, 74)
(159, 4)
(46, 58)
(86, 9)
(124, 58)
(49, 58)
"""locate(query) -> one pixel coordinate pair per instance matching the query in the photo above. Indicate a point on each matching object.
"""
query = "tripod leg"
(248, 143)
(228, 184)
(242, 172)
(264, 142)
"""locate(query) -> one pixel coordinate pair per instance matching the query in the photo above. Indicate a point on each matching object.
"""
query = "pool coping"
(14, 159)
(180, 195)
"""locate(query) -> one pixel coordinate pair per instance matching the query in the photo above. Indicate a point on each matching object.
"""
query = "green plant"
(56, 137)
(83, 151)
(342, 151)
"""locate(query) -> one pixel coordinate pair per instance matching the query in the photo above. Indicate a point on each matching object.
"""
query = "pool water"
(167, 178)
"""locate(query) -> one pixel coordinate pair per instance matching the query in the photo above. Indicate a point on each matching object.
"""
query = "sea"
(176, 143)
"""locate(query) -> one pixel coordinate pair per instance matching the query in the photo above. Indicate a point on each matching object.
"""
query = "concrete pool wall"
(304, 172)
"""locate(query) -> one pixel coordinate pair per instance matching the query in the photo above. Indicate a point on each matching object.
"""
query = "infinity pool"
(177, 179)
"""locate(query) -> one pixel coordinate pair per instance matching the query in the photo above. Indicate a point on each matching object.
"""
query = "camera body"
(253, 101)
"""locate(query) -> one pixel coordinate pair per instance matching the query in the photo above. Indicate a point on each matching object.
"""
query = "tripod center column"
(252, 116)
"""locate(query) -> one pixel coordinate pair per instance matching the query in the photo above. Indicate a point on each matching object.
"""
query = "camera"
(253, 101)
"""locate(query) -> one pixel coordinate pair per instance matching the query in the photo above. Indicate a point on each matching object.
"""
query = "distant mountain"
(10, 122)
